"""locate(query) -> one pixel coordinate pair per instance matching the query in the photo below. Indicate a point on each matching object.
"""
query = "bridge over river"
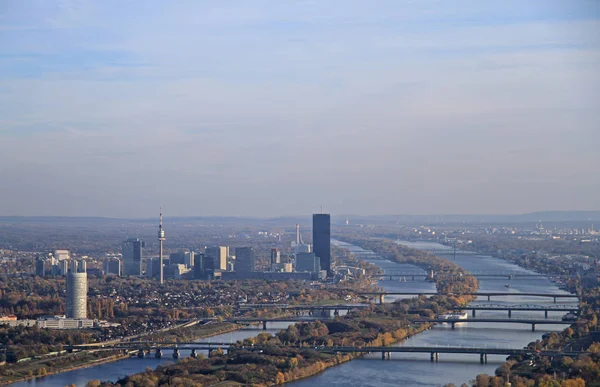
(382, 295)
(144, 347)
(522, 307)
(417, 275)
(533, 322)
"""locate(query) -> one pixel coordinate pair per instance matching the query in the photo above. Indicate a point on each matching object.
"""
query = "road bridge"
(391, 275)
(264, 321)
(145, 347)
(533, 322)
(523, 307)
(333, 307)
(435, 351)
(382, 295)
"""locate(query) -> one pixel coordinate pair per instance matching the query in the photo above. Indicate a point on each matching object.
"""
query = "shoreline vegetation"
(292, 353)
(86, 364)
(91, 359)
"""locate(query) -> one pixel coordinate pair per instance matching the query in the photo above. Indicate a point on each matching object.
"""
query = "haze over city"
(266, 108)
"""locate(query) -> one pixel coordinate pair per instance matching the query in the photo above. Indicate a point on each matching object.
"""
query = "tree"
(481, 380)
(573, 383)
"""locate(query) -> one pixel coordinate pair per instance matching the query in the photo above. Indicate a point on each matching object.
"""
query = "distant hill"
(543, 216)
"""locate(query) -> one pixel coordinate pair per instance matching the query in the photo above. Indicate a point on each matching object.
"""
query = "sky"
(268, 107)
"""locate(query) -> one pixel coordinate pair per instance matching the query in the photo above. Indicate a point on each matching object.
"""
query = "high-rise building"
(72, 266)
(219, 256)
(188, 259)
(203, 266)
(63, 267)
(152, 267)
(177, 258)
(132, 257)
(307, 262)
(245, 260)
(40, 267)
(112, 266)
(77, 288)
(322, 240)
(275, 256)
(62, 255)
(82, 266)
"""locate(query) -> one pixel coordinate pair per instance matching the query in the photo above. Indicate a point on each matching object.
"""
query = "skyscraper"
(245, 260)
(199, 272)
(77, 288)
(40, 267)
(132, 256)
(152, 269)
(322, 240)
(275, 256)
(112, 266)
(219, 256)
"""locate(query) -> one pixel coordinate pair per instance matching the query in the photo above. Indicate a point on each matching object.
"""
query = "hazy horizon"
(261, 108)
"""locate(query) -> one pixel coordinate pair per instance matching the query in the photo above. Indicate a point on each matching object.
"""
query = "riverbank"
(71, 367)
(195, 332)
(53, 366)
(315, 369)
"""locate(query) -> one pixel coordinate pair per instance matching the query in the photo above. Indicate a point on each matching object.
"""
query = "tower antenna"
(161, 239)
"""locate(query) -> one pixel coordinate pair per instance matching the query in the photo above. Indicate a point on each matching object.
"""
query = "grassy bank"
(67, 363)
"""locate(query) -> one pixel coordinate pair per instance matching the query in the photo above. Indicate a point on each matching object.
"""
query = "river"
(403, 369)
(416, 369)
(118, 369)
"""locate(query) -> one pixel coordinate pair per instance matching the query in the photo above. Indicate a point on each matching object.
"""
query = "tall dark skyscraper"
(245, 260)
(322, 240)
(132, 257)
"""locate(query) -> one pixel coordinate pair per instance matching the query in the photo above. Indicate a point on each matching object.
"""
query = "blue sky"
(269, 108)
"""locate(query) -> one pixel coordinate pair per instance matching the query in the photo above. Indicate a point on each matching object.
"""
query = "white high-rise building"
(77, 288)
(62, 255)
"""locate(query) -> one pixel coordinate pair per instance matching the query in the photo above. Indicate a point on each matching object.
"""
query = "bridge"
(523, 307)
(333, 307)
(382, 295)
(435, 351)
(144, 347)
(265, 320)
(416, 275)
(533, 322)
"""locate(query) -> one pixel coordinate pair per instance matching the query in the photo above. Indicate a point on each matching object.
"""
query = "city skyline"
(269, 108)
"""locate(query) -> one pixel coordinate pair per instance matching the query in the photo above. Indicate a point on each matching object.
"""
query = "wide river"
(416, 369)
(403, 369)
